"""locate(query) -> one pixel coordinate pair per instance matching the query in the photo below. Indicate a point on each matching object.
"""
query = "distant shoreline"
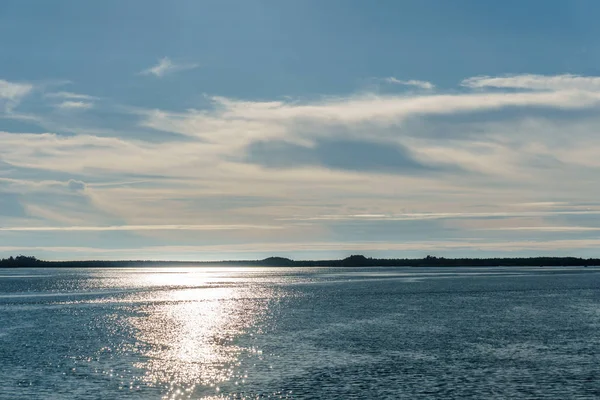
(352, 261)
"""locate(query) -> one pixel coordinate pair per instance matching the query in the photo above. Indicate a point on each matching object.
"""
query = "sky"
(241, 129)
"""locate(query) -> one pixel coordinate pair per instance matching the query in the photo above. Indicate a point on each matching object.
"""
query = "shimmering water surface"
(327, 333)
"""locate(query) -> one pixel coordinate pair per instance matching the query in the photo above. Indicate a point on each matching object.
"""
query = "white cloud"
(79, 153)
(12, 93)
(180, 174)
(75, 105)
(234, 123)
(548, 228)
(218, 134)
(167, 66)
(134, 228)
(70, 95)
(24, 185)
(412, 82)
(231, 124)
(535, 82)
(446, 215)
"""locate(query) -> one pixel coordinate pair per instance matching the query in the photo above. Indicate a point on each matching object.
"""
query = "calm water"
(300, 333)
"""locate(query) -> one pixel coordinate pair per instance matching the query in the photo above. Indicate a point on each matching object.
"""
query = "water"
(217, 333)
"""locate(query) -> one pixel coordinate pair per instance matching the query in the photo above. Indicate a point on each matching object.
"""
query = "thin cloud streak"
(135, 228)
(535, 82)
(433, 216)
(238, 120)
(69, 95)
(412, 82)
(76, 105)
(14, 91)
(546, 228)
(166, 66)
(11, 94)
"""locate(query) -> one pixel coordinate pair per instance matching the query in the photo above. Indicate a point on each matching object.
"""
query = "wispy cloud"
(166, 66)
(448, 215)
(238, 121)
(11, 93)
(223, 132)
(75, 105)
(136, 228)
(14, 91)
(547, 228)
(205, 155)
(70, 96)
(535, 82)
(412, 82)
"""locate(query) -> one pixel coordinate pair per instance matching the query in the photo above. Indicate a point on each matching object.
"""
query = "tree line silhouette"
(22, 261)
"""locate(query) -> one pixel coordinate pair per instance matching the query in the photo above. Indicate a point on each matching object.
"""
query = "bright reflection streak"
(189, 335)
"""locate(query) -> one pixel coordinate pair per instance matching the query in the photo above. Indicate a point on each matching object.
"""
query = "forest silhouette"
(22, 261)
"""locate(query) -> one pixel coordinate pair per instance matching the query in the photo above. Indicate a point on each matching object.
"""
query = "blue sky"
(241, 129)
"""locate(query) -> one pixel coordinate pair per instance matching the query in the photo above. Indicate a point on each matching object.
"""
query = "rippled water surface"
(213, 333)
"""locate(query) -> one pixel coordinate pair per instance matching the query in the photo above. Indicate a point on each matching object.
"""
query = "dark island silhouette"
(22, 261)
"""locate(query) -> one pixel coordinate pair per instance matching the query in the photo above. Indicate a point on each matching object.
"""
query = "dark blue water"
(300, 333)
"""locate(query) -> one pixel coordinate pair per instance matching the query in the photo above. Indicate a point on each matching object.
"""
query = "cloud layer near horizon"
(504, 156)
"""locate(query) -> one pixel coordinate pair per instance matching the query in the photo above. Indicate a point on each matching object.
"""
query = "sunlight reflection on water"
(189, 336)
